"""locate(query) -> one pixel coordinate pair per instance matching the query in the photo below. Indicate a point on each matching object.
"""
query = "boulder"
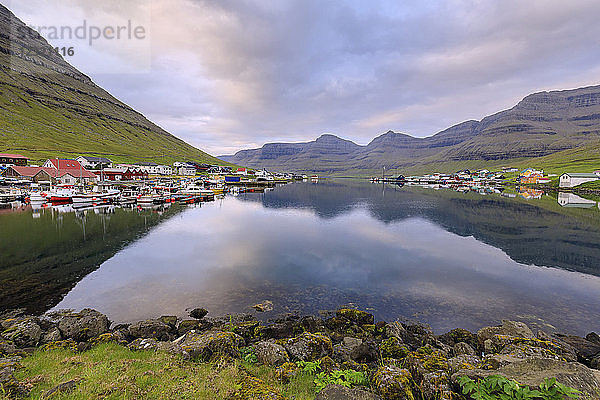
(342, 351)
(271, 353)
(593, 337)
(463, 361)
(366, 352)
(508, 328)
(463, 348)
(585, 350)
(393, 348)
(206, 346)
(53, 335)
(312, 324)
(84, 325)
(9, 385)
(459, 335)
(188, 325)
(339, 392)
(153, 344)
(393, 383)
(198, 313)
(150, 328)
(308, 346)
(533, 371)
(436, 385)
(170, 320)
(26, 333)
(356, 316)
(265, 306)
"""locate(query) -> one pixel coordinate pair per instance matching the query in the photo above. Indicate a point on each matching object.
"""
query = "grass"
(111, 371)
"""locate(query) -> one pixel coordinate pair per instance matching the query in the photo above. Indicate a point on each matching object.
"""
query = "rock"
(255, 389)
(53, 335)
(463, 348)
(279, 330)
(308, 346)
(170, 320)
(338, 324)
(26, 333)
(7, 347)
(393, 383)
(436, 385)
(271, 353)
(339, 392)
(198, 313)
(312, 324)
(63, 388)
(533, 371)
(212, 345)
(464, 361)
(426, 360)
(188, 325)
(150, 328)
(593, 337)
(595, 363)
(585, 349)
(459, 335)
(246, 329)
(286, 372)
(366, 352)
(508, 328)
(343, 350)
(265, 306)
(84, 325)
(9, 385)
(153, 344)
(356, 316)
(393, 348)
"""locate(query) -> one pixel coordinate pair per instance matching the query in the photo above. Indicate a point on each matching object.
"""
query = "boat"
(93, 197)
(195, 189)
(60, 195)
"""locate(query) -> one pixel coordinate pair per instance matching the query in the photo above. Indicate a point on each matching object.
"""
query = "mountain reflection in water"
(448, 259)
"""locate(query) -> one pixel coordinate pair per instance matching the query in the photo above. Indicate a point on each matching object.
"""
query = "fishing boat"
(195, 189)
(61, 195)
(93, 197)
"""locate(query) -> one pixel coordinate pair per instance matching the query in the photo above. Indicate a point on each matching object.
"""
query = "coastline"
(388, 360)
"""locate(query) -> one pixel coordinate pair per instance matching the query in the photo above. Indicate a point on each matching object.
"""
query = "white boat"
(60, 194)
(194, 189)
(93, 197)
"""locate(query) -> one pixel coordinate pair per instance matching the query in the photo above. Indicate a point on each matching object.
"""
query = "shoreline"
(391, 357)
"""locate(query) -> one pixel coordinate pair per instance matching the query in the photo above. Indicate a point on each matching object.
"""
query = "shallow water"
(439, 257)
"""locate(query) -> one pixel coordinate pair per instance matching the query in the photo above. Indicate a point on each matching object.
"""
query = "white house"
(575, 179)
(186, 170)
(94, 162)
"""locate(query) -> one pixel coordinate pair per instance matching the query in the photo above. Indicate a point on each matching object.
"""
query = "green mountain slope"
(48, 108)
(552, 129)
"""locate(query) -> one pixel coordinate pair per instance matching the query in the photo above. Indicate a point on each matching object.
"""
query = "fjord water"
(440, 257)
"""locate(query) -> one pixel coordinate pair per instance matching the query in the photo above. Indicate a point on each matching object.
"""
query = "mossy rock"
(359, 317)
(327, 364)
(426, 360)
(308, 346)
(393, 348)
(170, 320)
(246, 329)
(212, 345)
(68, 344)
(393, 383)
(187, 325)
(286, 372)
(252, 388)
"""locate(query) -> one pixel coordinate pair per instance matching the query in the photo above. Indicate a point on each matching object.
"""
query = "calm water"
(440, 257)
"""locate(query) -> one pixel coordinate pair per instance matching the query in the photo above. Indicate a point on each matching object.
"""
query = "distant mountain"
(49, 108)
(558, 123)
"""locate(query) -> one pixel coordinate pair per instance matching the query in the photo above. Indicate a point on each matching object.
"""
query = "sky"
(227, 75)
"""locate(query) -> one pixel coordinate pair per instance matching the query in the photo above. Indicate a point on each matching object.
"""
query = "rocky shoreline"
(396, 360)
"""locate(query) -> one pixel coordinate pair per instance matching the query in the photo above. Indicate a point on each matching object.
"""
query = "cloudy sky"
(231, 74)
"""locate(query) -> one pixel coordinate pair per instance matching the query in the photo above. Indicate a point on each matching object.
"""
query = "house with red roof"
(68, 172)
(35, 174)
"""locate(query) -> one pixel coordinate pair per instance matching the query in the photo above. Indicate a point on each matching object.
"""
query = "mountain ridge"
(541, 124)
(49, 108)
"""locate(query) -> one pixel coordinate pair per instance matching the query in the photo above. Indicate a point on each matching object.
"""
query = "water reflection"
(449, 259)
(45, 251)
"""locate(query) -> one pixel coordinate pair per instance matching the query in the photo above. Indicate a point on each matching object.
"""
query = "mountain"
(49, 108)
(547, 127)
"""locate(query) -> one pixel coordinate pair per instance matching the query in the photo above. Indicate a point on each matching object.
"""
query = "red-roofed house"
(68, 172)
(12, 159)
(35, 174)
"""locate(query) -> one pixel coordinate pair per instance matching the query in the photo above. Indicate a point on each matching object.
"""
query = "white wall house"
(186, 171)
(94, 162)
(575, 179)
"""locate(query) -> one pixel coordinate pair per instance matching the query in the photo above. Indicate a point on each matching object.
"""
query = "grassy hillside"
(49, 109)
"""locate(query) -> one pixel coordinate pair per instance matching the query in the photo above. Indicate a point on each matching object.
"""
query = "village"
(87, 181)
